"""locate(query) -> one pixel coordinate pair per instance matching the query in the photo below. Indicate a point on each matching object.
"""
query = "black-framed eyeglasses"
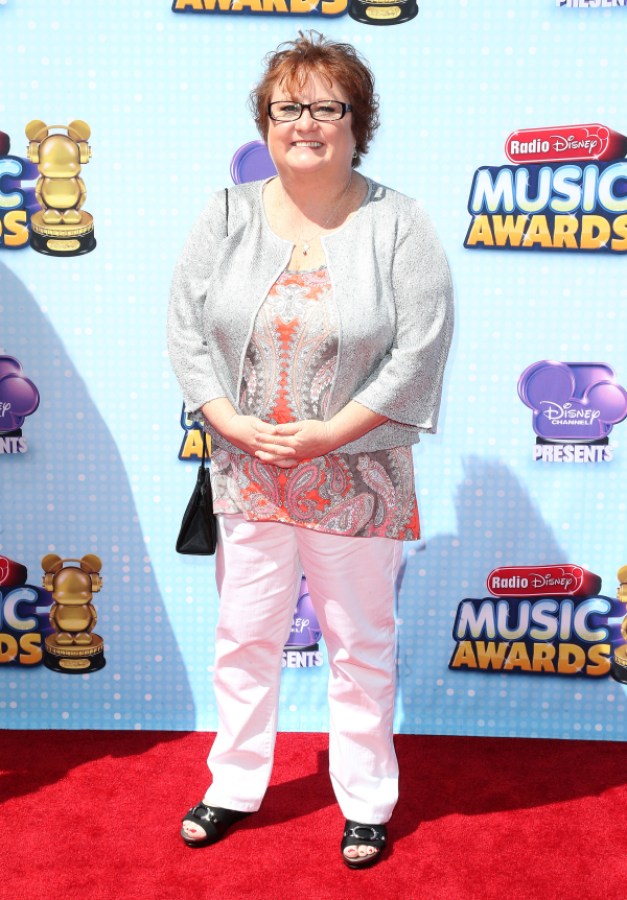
(321, 110)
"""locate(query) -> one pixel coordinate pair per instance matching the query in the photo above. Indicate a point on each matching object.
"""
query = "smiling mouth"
(315, 144)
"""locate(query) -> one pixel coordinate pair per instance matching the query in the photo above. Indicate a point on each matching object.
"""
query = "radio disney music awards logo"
(302, 649)
(575, 406)
(590, 4)
(61, 227)
(24, 616)
(18, 398)
(17, 196)
(541, 620)
(191, 445)
(368, 12)
(383, 12)
(323, 8)
(566, 190)
(41, 197)
(73, 647)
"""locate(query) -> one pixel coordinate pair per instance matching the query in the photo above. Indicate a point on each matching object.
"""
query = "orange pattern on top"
(285, 331)
(290, 364)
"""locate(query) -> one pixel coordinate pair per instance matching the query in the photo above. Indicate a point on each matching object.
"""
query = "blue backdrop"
(165, 93)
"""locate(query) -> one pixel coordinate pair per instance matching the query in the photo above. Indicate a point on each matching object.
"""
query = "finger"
(288, 428)
(264, 442)
(278, 462)
(273, 436)
(284, 448)
(272, 457)
(265, 427)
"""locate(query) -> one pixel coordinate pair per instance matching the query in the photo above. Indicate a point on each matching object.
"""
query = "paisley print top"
(288, 372)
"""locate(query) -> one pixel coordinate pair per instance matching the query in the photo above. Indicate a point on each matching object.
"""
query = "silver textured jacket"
(392, 290)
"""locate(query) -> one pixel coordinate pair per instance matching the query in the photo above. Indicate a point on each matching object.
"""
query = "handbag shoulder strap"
(205, 455)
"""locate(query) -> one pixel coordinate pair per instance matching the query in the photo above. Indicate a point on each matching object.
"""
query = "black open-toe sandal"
(356, 835)
(214, 820)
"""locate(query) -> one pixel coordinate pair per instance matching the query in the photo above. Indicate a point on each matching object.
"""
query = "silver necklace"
(306, 244)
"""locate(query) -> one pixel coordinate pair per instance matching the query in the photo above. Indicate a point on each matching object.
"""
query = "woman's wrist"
(219, 413)
(351, 423)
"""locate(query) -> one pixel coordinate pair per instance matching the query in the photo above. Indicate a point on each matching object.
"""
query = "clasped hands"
(284, 445)
(290, 443)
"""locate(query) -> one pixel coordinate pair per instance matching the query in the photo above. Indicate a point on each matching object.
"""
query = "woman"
(309, 326)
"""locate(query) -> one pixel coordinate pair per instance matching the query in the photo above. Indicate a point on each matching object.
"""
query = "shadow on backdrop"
(70, 494)
(497, 525)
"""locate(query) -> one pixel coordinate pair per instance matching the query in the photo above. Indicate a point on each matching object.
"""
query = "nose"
(306, 123)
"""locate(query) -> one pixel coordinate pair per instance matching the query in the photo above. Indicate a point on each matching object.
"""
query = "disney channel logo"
(567, 190)
(575, 406)
(541, 620)
(19, 398)
(302, 650)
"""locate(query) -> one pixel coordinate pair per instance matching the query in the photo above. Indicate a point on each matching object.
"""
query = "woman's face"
(308, 146)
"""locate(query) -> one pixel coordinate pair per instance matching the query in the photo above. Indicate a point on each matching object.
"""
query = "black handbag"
(199, 535)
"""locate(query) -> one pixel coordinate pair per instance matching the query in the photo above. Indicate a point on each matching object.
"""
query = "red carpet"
(95, 815)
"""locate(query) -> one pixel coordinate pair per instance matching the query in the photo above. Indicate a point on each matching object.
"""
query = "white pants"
(351, 582)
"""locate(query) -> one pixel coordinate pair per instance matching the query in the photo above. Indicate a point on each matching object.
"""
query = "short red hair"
(293, 62)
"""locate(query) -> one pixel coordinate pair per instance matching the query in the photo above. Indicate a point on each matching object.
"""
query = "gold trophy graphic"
(383, 12)
(619, 656)
(61, 228)
(73, 648)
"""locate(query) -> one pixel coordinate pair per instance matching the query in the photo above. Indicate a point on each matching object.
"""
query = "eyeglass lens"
(323, 110)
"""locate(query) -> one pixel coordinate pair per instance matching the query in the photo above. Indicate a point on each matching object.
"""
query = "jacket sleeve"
(406, 386)
(186, 345)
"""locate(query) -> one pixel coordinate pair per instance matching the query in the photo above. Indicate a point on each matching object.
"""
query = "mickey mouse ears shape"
(252, 162)
(18, 395)
(572, 401)
(544, 380)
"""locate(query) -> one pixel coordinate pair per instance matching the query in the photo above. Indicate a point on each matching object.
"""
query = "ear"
(610, 399)
(546, 381)
(91, 563)
(36, 130)
(79, 130)
(51, 563)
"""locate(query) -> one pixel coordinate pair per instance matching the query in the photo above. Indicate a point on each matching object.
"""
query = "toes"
(193, 832)
(360, 851)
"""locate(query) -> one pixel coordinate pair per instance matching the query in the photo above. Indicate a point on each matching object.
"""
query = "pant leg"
(352, 586)
(258, 574)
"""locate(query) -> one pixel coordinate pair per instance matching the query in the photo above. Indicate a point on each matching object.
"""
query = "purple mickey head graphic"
(306, 630)
(572, 401)
(18, 395)
(252, 162)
